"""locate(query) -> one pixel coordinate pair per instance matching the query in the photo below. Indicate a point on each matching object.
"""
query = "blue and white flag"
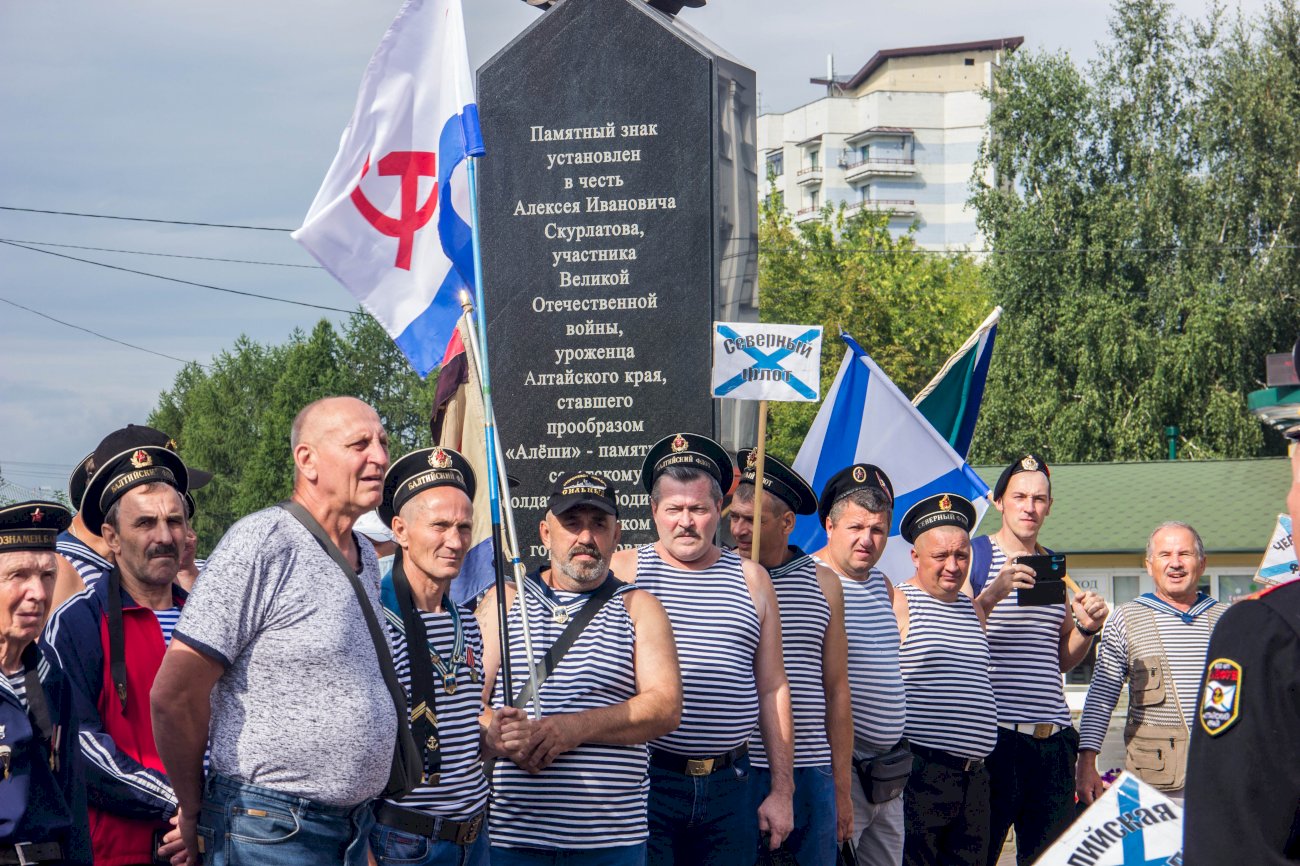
(865, 418)
(1132, 824)
(392, 219)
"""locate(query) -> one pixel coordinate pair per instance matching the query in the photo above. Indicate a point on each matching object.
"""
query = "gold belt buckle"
(1042, 732)
(699, 766)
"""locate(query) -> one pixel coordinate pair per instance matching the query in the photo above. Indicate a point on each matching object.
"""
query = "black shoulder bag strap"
(424, 709)
(406, 770)
(116, 640)
(566, 639)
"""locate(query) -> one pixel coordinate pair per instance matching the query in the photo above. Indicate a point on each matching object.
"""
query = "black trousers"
(946, 812)
(1032, 788)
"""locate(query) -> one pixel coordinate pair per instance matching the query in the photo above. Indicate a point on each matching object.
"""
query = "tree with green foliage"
(1145, 225)
(233, 418)
(909, 309)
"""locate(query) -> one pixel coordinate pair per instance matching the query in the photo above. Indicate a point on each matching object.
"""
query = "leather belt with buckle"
(1038, 732)
(421, 824)
(947, 759)
(689, 766)
(30, 853)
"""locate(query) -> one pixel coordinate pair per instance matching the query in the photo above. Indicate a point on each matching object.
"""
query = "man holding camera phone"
(1034, 637)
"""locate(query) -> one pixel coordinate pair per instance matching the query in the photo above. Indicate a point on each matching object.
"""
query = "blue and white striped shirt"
(1025, 646)
(805, 617)
(716, 627)
(945, 665)
(876, 680)
(594, 796)
(462, 790)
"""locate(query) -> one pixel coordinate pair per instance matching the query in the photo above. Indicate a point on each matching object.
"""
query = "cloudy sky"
(230, 112)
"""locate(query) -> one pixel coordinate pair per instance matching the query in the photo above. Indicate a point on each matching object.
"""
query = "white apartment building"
(900, 136)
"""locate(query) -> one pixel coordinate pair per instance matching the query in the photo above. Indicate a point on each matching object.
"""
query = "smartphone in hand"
(1049, 580)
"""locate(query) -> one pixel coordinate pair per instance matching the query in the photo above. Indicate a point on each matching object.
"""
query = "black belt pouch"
(884, 777)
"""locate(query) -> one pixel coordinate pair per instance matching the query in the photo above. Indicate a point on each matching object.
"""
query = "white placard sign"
(755, 361)
(1279, 563)
(1132, 824)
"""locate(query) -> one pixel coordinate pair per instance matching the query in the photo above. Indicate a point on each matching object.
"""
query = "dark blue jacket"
(40, 802)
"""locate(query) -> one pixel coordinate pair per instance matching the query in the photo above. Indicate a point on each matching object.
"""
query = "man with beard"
(728, 631)
(573, 786)
(112, 636)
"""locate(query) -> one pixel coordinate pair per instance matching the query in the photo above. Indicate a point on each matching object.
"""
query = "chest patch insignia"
(1221, 696)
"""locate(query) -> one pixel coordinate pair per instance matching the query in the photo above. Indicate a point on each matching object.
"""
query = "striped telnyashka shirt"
(1185, 638)
(805, 616)
(18, 684)
(461, 791)
(876, 681)
(945, 665)
(716, 627)
(90, 566)
(594, 796)
(1025, 645)
(167, 620)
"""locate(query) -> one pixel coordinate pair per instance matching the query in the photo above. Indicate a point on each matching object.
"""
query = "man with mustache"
(111, 638)
(728, 632)
(1156, 643)
(572, 786)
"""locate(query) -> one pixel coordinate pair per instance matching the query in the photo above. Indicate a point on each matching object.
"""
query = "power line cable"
(98, 334)
(163, 255)
(177, 280)
(103, 216)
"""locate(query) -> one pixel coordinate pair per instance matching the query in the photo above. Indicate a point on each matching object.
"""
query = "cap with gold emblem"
(81, 476)
(422, 470)
(1025, 463)
(582, 488)
(126, 459)
(688, 449)
(779, 480)
(32, 525)
(943, 509)
(851, 479)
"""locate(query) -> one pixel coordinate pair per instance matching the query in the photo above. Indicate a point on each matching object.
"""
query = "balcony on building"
(895, 207)
(881, 151)
(811, 170)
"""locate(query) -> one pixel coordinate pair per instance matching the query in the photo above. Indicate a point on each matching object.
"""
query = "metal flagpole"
(759, 459)
(496, 465)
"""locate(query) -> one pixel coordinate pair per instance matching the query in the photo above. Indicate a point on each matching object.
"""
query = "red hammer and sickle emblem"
(410, 166)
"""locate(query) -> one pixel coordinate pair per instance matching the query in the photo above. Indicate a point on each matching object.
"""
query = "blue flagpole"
(495, 459)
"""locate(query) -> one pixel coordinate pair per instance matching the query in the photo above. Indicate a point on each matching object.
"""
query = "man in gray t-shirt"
(273, 642)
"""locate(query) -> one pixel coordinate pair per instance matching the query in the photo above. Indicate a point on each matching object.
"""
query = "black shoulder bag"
(407, 768)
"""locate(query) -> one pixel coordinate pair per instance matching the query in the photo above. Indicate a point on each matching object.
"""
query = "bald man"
(274, 663)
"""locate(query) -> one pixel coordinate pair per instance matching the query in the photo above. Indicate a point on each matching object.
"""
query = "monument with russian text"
(618, 210)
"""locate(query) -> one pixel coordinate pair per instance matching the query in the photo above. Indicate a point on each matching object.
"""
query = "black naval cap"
(80, 476)
(943, 509)
(582, 488)
(424, 469)
(32, 525)
(779, 480)
(1027, 463)
(688, 449)
(851, 479)
(126, 459)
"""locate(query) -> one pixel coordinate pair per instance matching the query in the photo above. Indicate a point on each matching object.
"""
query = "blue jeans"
(247, 825)
(624, 855)
(812, 841)
(393, 847)
(702, 820)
